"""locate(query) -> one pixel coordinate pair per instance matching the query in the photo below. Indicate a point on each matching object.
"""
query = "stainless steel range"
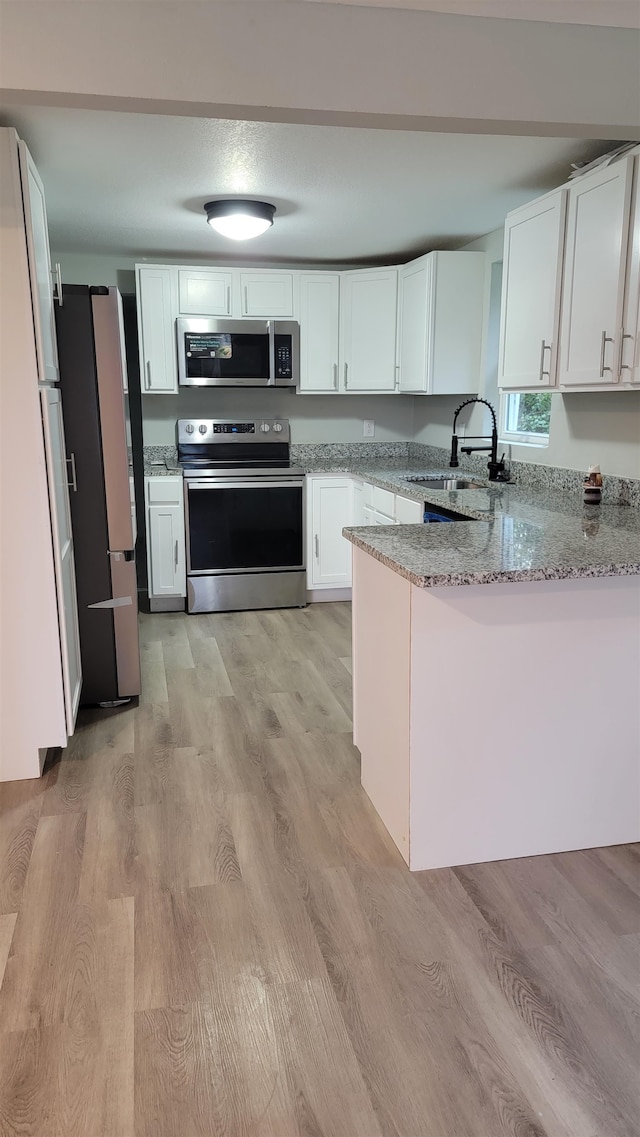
(244, 515)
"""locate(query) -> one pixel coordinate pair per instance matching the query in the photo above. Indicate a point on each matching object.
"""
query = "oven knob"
(277, 426)
(202, 428)
(264, 427)
(189, 428)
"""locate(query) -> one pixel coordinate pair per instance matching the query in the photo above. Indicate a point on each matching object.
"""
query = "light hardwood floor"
(205, 931)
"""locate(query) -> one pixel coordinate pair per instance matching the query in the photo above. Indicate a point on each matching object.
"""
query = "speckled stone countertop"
(529, 534)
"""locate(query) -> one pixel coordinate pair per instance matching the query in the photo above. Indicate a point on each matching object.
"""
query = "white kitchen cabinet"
(319, 324)
(368, 310)
(62, 539)
(629, 355)
(39, 256)
(204, 292)
(165, 537)
(595, 265)
(267, 294)
(441, 304)
(359, 502)
(157, 312)
(408, 511)
(329, 509)
(531, 284)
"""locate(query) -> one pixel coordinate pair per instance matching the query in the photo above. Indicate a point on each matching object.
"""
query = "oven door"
(240, 525)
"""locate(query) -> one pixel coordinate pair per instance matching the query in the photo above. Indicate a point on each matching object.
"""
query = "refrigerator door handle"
(117, 602)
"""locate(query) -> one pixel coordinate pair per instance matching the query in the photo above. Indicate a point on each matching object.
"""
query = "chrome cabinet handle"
(545, 347)
(73, 484)
(605, 340)
(147, 377)
(624, 336)
(317, 546)
(246, 300)
(175, 555)
(397, 383)
(228, 300)
(335, 376)
(346, 376)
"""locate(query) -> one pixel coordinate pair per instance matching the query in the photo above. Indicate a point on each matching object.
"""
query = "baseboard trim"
(326, 595)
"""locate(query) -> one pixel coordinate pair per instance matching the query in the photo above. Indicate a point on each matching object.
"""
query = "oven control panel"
(224, 430)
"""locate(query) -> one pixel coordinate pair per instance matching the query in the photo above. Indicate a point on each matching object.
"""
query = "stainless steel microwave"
(237, 353)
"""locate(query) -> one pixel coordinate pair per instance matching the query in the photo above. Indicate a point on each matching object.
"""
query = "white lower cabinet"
(408, 511)
(330, 504)
(165, 537)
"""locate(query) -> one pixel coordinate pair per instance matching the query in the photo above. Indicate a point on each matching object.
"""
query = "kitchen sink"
(446, 483)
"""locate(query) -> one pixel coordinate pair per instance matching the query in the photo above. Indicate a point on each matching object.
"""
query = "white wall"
(602, 428)
(323, 63)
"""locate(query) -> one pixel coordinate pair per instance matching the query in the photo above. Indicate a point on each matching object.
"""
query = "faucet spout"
(495, 467)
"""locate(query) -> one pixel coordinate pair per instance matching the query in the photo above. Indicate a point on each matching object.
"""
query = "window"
(526, 418)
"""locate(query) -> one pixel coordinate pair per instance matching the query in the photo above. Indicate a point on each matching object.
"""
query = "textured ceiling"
(135, 185)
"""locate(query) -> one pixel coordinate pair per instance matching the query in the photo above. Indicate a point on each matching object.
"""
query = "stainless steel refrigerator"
(93, 383)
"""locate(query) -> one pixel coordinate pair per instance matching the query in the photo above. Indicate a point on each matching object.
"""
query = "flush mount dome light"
(240, 220)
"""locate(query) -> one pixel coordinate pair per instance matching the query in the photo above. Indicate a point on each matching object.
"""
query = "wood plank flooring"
(206, 932)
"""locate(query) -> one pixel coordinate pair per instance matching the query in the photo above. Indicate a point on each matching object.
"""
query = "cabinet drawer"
(384, 501)
(408, 511)
(164, 491)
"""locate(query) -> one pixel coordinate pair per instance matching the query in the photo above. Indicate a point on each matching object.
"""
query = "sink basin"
(446, 483)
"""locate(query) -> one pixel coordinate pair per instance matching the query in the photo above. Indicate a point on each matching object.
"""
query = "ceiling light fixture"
(240, 220)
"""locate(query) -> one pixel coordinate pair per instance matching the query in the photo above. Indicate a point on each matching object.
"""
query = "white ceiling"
(605, 13)
(135, 185)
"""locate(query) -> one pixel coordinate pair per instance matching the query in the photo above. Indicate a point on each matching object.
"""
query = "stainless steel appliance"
(244, 515)
(93, 382)
(238, 353)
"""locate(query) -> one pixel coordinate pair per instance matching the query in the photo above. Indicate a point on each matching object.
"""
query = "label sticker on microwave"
(208, 345)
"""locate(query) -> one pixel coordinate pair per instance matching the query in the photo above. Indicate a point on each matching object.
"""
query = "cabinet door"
(630, 343)
(268, 294)
(156, 330)
(414, 314)
(368, 322)
(358, 502)
(62, 538)
(594, 272)
(166, 537)
(42, 298)
(408, 511)
(319, 322)
(204, 293)
(331, 510)
(531, 283)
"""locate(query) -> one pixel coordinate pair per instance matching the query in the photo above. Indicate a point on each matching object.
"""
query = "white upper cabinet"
(42, 292)
(319, 323)
(629, 354)
(204, 292)
(531, 282)
(267, 294)
(594, 277)
(156, 329)
(441, 304)
(368, 308)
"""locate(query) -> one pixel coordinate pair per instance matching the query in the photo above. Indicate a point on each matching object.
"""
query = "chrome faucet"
(496, 468)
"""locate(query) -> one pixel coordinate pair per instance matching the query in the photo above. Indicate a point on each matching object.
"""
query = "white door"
(414, 314)
(42, 297)
(62, 537)
(368, 329)
(408, 511)
(268, 294)
(630, 343)
(531, 283)
(331, 510)
(204, 293)
(594, 272)
(319, 323)
(156, 330)
(166, 550)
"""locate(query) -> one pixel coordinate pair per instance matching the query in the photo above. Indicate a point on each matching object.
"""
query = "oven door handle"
(244, 483)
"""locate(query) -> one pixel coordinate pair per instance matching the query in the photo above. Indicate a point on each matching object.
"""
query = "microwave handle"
(271, 327)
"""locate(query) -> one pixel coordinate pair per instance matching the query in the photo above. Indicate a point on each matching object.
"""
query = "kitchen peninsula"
(497, 675)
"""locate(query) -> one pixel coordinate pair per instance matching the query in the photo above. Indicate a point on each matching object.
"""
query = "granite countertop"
(528, 534)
